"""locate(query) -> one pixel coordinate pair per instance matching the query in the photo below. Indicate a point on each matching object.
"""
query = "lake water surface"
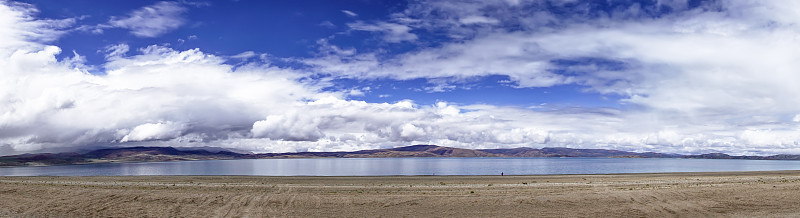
(406, 166)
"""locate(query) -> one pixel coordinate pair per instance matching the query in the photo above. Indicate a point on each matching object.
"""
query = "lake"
(406, 166)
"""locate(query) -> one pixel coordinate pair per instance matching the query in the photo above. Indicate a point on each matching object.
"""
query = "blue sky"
(679, 76)
(292, 29)
(280, 28)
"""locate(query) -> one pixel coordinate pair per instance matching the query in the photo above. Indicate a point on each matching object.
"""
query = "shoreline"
(166, 154)
(174, 168)
(699, 173)
(740, 193)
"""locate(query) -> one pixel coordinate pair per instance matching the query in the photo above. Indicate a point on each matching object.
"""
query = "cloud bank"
(728, 64)
(720, 76)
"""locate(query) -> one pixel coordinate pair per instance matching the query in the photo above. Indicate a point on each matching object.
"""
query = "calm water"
(406, 166)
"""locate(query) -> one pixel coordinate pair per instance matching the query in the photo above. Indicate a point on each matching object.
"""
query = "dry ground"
(629, 195)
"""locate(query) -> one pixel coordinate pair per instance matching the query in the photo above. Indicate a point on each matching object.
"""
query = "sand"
(669, 194)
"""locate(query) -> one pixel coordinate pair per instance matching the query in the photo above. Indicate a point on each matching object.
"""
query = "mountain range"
(149, 154)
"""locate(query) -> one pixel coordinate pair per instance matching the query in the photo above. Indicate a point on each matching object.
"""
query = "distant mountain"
(725, 156)
(149, 154)
(132, 154)
(42, 159)
(569, 152)
(408, 151)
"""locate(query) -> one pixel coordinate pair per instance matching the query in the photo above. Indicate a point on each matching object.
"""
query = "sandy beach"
(670, 194)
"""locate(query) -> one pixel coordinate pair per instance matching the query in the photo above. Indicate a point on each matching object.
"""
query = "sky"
(670, 76)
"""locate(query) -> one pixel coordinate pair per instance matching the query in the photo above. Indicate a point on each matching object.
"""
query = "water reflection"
(405, 166)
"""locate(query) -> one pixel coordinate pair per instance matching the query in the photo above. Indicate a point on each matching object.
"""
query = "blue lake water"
(406, 166)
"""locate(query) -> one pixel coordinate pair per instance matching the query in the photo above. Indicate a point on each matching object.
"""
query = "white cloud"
(392, 32)
(697, 81)
(156, 95)
(21, 29)
(727, 64)
(152, 20)
(117, 50)
(478, 20)
(290, 127)
(355, 92)
(154, 131)
(514, 55)
(350, 13)
(245, 55)
(327, 24)
(689, 60)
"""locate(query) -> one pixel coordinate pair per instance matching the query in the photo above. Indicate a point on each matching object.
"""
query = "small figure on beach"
(501, 173)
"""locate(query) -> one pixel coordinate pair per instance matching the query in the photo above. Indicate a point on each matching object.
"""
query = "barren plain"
(775, 193)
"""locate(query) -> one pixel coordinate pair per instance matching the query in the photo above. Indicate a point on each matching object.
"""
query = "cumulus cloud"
(153, 131)
(719, 77)
(152, 20)
(728, 64)
(290, 127)
(159, 94)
